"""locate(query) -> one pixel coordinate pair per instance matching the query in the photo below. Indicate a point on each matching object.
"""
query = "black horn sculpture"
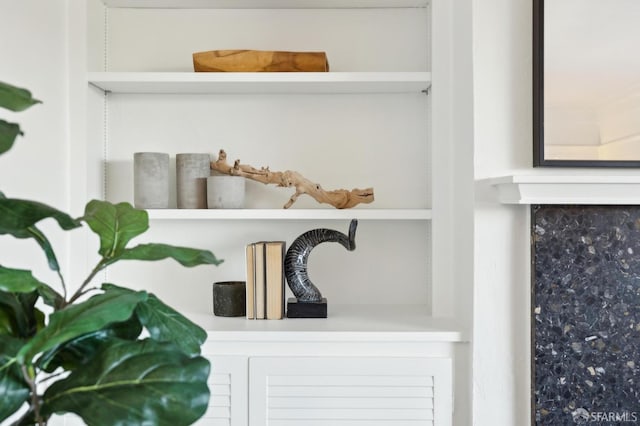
(309, 302)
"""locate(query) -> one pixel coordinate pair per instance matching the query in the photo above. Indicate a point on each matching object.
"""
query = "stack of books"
(265, 280)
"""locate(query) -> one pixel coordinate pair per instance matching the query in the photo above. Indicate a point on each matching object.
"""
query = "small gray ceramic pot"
(225, 192)
(229, 299)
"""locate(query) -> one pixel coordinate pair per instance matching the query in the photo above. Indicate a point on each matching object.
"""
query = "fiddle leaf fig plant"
(109, 354)
(14, 99)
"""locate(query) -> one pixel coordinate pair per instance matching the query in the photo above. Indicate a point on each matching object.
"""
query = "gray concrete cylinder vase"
(192, 171)
(151, 180)
(225, 192)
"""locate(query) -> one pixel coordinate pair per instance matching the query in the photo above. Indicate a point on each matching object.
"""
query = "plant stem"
(103, 262)
(64, 285)
(52, 376)
(29, 377)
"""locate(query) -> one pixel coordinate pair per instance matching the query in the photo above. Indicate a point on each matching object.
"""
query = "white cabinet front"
(341, 391)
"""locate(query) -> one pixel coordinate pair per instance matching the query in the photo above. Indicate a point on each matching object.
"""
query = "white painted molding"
(262, 4)
(568, 189)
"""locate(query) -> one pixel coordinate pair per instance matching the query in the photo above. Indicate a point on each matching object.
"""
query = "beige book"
(274, 260)
(251, 281)
(260, 290)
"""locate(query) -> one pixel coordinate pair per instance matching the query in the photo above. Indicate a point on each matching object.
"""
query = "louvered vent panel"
(350, 400)
(219, 411)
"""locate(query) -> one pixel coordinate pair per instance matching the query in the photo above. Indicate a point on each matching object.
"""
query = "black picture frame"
(538, 104)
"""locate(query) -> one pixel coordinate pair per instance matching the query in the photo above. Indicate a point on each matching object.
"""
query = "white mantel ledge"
(567, 189)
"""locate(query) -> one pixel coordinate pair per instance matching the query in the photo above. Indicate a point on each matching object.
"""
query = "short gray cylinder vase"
(229, 298)
(225, 192)
(151, 180)
(192, 171)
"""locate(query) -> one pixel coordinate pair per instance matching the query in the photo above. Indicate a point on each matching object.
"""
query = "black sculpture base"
(297, 309)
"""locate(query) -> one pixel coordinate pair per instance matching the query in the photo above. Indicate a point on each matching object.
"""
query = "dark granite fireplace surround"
(585, 315)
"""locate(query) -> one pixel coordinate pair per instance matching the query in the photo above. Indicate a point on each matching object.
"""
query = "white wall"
(33, 40)
(503, 145)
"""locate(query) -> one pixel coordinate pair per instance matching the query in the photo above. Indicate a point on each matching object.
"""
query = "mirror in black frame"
(586, 83)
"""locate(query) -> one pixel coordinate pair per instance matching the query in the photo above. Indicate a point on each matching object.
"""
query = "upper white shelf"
(290, 214)
(265, 4)
(568, 189)
(271, 82)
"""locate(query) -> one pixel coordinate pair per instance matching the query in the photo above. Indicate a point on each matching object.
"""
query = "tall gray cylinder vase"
(151, 180)
(192, 171)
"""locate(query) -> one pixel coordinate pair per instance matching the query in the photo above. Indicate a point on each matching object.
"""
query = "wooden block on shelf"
(259, 61)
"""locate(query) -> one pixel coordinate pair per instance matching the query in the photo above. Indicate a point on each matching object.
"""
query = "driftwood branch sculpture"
(339, 198)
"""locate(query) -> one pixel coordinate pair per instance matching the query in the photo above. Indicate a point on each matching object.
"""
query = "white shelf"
(290, 214)
(344, 323)
(265, 4)
(568, 189)
(307, 82)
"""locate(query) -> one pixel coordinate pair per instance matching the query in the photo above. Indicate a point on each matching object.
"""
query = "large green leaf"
(17, 280)
(51, 297)
(76, 320)
(22, 230)
(80, 351)
(23, 281)
(13, 388)
(183, 255)
(15, 98)
(8, 134)
(6, 323)
(24, 319)
(134, 383)
(165, 324)
(115, 224)
(17, 216)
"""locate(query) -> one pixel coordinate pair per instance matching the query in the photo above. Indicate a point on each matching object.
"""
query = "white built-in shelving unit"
(381, 118)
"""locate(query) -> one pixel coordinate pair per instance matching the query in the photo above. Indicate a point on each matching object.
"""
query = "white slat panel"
(351, 391)
(345, 391)
(204, 421)
(350, 414)
(220, 401)
(228, 386)
(350, 423)
(220, 390)
(219, 379)
(308, 380)
(218, 413)
(289, 402)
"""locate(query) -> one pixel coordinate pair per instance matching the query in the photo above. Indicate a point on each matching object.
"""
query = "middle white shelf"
(276, 82)
(290, 214)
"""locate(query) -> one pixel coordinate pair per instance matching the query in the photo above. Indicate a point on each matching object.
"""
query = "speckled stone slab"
(586, 315)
